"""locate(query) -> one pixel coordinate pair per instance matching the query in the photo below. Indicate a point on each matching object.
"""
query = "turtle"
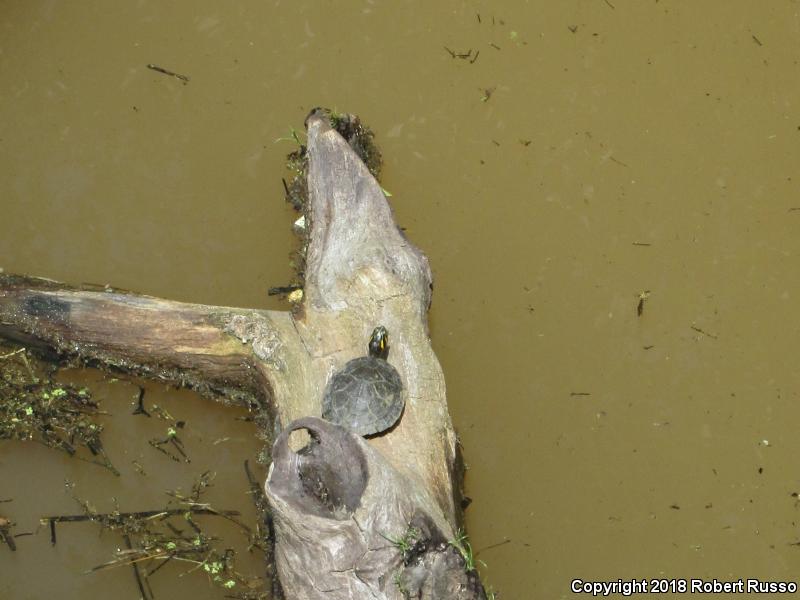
(366, 395)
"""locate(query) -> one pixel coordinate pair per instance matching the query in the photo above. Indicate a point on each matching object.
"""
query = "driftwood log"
(354, 518)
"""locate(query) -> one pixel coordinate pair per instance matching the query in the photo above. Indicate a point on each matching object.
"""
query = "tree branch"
(181, 343)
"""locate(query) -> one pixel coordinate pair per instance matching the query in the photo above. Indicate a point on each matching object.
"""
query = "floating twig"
(173, 440)
(21, 350)
(619, 162)
(140, 514)
(462, 55)
(140, 409)
(642, 297)
(158, 69)
(136, 573)
(698, 330)
(118, 517)
(489, 547)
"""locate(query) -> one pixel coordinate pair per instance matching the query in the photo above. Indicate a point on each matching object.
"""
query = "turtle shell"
(366, 396)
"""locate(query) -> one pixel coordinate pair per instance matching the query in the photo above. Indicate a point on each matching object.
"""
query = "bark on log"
(361, 272)
(161, 339)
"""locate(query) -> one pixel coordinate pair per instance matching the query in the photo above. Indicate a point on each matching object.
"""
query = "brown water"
(41, 482)
(623, 147)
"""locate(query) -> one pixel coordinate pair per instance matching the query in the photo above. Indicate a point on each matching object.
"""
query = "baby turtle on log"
(366, 395)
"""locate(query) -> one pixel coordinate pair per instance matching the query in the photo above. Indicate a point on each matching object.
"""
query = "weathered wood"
(361, 272)
(349, 525)
(181, 343)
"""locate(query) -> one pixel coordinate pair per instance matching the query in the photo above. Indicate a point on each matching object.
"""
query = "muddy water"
(591, 152)
(39, 482)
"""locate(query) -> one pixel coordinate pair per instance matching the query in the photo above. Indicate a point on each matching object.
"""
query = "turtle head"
(379, 343)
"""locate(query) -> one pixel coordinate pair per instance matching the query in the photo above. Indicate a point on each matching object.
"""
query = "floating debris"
(462, 55)
(640, 306)
(154, 538)
(698, 330)
(172, 441)
(35, 407)
(5, 533)
(183, 78)
(140, 409)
